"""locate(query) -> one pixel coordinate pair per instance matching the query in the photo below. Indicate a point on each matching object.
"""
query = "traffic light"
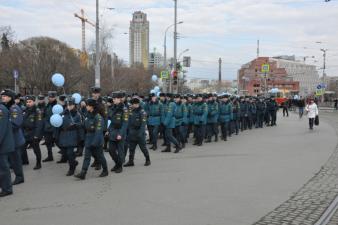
(175, 77)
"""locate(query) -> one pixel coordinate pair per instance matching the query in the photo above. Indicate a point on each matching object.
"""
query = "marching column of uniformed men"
(117, 124)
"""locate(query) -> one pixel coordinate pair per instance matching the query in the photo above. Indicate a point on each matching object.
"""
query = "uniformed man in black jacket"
(48, 128)
(94, 140)
(137, 134)
(117, 131)
(100, 108)
(33, 130)
(16, 119)
(68, 134)
(6, 148)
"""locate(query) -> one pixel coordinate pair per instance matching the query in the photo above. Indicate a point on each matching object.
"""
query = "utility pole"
(324, 62)
(257, 48)
(219, 74)
(97, 53)
(83, 22)
(175, 42)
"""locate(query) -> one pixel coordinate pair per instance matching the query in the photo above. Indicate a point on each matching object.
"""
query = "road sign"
(320, 92)
(165, 74)
(15, 74)
(186, 61)
(319, 87)
(265, 68)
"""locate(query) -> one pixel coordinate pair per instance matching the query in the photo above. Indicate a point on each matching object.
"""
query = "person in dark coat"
(33, 130)
(94, 140)
(68, 134)
(117, 131)
(16, 119)
(100, 108)
(83, 113)
(137, 123)
(6, 148)
(48, 128)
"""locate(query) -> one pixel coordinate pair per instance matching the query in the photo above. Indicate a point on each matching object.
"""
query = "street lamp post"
(179, 57)
(165, 44)
(175, 43)
(97, 52)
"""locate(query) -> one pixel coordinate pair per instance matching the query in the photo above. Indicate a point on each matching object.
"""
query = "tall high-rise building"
(139, 39)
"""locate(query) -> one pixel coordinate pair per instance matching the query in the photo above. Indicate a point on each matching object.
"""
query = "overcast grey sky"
(212, 28)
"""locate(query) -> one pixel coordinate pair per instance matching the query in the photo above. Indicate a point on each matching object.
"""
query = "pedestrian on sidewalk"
(301, 105)
(312, 112)
(285, 108)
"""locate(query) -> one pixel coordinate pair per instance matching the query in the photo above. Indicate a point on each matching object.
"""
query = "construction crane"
(84, 21)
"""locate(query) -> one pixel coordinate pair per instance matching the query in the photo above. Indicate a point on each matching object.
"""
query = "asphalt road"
(232, 183)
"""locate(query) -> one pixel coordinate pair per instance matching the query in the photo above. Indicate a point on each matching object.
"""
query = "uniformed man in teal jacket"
(186, 118)
(225, 116)
(154, 110)
(212, 121)
(180, 117)
(168, 120)
(200, 114)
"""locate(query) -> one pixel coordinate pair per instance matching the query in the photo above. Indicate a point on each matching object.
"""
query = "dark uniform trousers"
(212, 130)
(16, 162)
(225, 128)
(200, 133)
(117, 152)
(36, 149)
(97, 152)
(142, 144)
(5, 174)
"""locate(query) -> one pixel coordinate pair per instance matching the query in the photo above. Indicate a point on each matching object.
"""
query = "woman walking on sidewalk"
(312, 112)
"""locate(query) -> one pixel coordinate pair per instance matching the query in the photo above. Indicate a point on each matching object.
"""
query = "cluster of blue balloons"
(56, 119)
(156, 89)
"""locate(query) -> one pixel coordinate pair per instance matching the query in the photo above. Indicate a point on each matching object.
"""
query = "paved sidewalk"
(232, 183)
(311, 201)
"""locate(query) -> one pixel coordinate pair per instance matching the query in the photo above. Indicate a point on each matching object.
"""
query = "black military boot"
(48, 159)
(18, 180)
(98, 166)
(154, 147)
(104, 173)
(147, 163)
(167, 149)
(130, 163)
(119, 169)
(81, 175)
(178, 149)
(72, 168)
(93, 164)
(37, 166)
(70, 172)
(62, 160)
(3, 194)
(114, 168)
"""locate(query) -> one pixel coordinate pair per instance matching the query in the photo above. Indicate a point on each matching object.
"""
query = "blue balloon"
(157, 89)
(77, 98)
(57, 109)
(158, 94)
(154, 78)
(56, 120)
(152, 92)
(58, 80)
